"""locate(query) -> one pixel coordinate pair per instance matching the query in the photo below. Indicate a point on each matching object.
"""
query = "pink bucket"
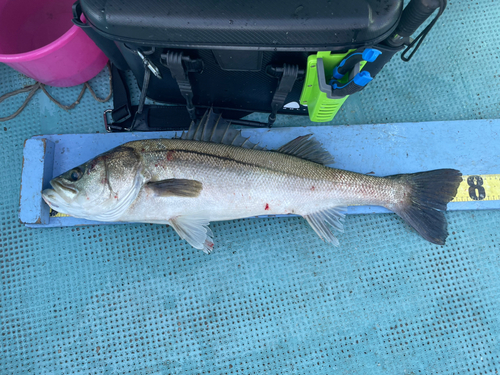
(38, 39)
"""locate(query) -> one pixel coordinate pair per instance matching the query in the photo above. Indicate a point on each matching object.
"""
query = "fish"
(212, 173)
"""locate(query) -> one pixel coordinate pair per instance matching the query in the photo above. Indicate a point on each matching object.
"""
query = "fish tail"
(427, 194)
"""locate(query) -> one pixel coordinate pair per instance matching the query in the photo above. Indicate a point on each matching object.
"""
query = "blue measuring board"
(471, 146)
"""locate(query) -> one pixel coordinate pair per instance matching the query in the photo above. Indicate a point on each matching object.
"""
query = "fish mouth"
(60, 191)
(61, 187)
(51, 197)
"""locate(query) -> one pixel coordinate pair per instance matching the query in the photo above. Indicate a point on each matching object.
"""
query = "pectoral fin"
(176, 187)
(194, 230)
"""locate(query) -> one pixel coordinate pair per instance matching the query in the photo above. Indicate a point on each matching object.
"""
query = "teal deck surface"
(272, 298)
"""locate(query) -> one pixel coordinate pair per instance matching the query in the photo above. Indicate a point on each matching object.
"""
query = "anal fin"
(322, 220)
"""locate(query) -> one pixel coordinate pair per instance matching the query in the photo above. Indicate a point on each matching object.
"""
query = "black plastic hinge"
(287, 80)
(179, 66)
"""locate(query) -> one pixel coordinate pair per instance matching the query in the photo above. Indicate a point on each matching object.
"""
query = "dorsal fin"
(213, 128)
(308, 148)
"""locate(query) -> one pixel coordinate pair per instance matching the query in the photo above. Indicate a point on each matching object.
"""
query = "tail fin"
(429, 194)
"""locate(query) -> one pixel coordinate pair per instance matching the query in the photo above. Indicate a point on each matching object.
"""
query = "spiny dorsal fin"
(213, 128)
(308, 148)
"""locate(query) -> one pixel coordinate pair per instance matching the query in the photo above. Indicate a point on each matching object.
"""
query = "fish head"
(100, 189)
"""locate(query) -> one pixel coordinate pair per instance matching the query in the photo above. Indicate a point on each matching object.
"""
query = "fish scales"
(239, 182)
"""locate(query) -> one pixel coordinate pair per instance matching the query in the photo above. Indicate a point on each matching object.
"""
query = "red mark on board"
(267, 207)
(116, 196)
(312, 188)
(170, 155)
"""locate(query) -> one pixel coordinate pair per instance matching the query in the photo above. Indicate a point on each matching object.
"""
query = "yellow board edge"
(475, 188)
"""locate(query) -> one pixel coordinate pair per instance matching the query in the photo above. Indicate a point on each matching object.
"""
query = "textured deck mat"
(272, 298)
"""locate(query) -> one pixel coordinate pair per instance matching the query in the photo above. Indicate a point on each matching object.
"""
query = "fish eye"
(75, 174)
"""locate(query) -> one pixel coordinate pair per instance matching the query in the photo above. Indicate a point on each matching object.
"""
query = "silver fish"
(211, 173)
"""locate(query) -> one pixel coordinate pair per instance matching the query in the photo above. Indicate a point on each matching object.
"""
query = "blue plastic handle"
(336, 73)
(371, 54)
(362, 78)
(368, 55)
